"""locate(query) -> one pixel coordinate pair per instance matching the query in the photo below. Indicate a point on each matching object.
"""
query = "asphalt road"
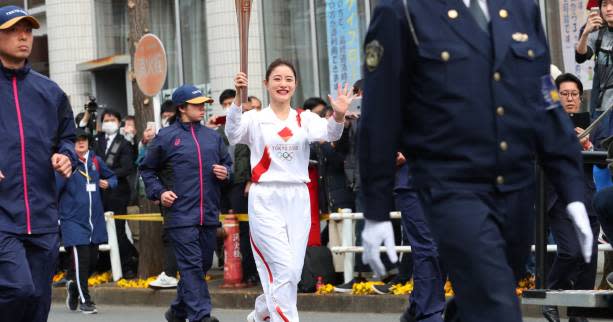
(59, 313)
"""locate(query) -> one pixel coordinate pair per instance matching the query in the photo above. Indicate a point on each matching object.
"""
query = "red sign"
(150, 64)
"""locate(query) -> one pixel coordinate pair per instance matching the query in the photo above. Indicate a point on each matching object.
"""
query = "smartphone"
(595, 9)
(356, 106)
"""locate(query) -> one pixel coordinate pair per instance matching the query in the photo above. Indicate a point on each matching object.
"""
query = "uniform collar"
(20, 73)
(187, 126)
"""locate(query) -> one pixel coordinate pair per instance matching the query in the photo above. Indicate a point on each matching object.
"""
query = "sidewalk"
(109, 294)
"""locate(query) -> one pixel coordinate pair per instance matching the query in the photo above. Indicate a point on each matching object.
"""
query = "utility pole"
(150, 244)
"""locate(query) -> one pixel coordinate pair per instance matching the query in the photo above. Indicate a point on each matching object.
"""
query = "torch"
(243, 14)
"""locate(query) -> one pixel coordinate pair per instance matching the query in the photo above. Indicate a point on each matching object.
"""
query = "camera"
(91, 106)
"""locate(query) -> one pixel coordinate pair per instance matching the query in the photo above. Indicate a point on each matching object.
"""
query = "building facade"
(83, 45)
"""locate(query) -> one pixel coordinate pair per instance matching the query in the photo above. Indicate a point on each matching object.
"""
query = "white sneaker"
(164, 281)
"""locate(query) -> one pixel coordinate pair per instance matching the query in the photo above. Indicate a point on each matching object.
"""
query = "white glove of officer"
(374, 234)
(578, 214)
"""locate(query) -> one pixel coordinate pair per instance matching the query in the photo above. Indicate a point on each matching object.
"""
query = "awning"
(116, 61)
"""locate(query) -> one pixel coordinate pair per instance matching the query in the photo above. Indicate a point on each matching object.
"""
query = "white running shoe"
(164, 281)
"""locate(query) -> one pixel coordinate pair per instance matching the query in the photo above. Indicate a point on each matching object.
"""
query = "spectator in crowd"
(167, 112)
(348, 146)
(37, 131)
(334, 193)
(191, 201)
(116, 152)
(603, 204)
(254, 103)
(569, 270)
(595, 40)
(82, 220)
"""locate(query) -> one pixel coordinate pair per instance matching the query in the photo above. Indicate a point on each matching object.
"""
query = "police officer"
(463, 87)
(37, 131)
(184, 168)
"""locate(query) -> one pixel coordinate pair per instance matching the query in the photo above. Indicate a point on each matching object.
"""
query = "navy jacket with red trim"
(36, 121)
(173, 163)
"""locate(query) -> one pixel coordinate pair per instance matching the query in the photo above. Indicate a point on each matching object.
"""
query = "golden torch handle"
(243, 14)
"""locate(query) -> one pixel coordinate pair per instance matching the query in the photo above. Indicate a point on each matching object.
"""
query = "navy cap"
(10, 15)
(189, 94)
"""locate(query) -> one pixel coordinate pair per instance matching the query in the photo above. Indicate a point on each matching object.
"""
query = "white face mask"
(165, 122)
(128, 136)
(110, 127)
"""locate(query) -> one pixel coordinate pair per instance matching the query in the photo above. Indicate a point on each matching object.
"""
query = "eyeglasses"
(572, 94)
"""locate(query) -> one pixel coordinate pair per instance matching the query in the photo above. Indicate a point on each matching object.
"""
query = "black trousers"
(170, 261)
(84, 260)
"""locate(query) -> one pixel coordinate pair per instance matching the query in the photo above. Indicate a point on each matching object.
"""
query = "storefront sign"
(150, 65)
(344, 42)
(572, 17)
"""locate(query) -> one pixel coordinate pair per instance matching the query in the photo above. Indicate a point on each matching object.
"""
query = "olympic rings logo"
(287, 156)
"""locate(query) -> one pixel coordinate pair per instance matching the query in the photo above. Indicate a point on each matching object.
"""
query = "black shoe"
(88, 307)
(171, 317)
(72, 296)
(129, 274)
(551, 313)
(348, 287)
(209, 319)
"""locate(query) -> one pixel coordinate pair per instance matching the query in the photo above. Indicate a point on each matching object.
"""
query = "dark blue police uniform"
(428, 296)
(472, 108)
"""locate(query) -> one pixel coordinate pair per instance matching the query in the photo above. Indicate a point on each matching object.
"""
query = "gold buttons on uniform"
(452, 14)
(497, 76)
(530, 53)
(503, 13)
(500, 111)
(504, 146)
(499, 180)
(445, 56)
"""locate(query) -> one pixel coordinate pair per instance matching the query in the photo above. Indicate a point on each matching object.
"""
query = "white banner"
(572, 17)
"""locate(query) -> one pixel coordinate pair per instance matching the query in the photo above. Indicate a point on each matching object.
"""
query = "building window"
(286, 28)
(194, 41)
(111, 27)
(162, 20)
(288, 34)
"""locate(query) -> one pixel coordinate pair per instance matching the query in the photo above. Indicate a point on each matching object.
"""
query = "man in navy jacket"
(37, 131)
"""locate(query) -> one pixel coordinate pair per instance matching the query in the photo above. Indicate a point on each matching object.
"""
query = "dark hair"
(280, 62)
(313, 102)
(111, 112)
(167, 107)
(357, 86)
(251, 98)
(228, 93)
(130, 118)
(569, 78)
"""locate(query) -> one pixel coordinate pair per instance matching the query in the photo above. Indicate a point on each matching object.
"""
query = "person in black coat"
(117, 154)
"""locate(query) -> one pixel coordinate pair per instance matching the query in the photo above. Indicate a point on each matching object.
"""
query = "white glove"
(374, 234)
(578, 214)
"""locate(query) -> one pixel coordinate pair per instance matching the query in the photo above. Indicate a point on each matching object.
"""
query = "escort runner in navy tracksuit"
(82, 219)
(184, 168)
(36, 138)
(463, 87)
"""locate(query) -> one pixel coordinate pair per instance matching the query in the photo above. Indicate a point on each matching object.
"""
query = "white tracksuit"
(279, 207)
